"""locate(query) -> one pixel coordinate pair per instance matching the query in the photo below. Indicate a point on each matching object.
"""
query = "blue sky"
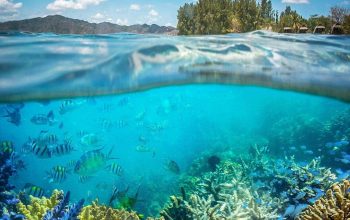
(128, 12)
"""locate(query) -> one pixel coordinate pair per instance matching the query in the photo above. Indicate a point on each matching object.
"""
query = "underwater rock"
(335, 205)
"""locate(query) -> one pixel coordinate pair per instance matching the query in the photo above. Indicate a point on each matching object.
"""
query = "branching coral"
(335, 205)
(101, 212)
(221, 196)
(38, 207)
(178, 209)
(62, 211)
(300, 184)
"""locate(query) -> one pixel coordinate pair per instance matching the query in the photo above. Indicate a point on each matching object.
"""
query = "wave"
(47, 66)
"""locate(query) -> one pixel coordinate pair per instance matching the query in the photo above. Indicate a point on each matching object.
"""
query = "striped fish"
(70, 104)
(63, 149)
(67, 105)
(33, 190)
(47, 139)
(41, 151)
(57, 174)
(84, 179)
(91, 162)
(115, 169)
(71, 164)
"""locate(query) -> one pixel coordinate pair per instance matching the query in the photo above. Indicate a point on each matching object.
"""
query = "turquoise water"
(143, 130)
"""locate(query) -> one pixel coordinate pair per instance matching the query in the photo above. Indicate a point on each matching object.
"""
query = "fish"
(124, 101)
(293, 148)
(300, 195)
(42, 119)
(107, 107)
(121, 123)
(142, 139)
(115, 169)
(124, 201)
(13, 116)
(68, 105)
(103, 186)
(84, 179)
(91, 162)
(61, 125)
(7, 147)
(345, 161)
(17, 106)
(140, 116)
(91, 141)
(41, 151)
(338, 144)
(345, 155)
(106, 124)
(156, 127)
(173, 167)
(46, 138)
(63, 149)
(143, 149)
(71, 164)
(310, 152)
(33, 190)
(57, 174)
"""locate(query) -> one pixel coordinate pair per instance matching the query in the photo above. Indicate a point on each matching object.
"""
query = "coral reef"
(8, 199)
(38, 207)
(221, 195)
(54, 208)
(257, 186)
(301, 184)
(63, 211)
(334, 205)
(101, 212)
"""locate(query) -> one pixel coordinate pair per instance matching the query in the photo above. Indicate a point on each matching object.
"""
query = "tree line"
(235, 16)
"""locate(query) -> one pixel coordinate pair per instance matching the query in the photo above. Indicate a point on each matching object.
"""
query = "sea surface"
(150, 113)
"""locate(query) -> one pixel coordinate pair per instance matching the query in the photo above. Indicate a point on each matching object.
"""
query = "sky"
(127, 12)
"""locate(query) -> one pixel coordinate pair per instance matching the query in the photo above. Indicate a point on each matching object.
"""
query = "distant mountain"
(62, 25)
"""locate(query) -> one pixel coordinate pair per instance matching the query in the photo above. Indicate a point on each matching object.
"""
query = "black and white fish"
(42, 119)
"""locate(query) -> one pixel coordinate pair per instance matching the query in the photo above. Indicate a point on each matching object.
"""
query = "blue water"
(181, 123)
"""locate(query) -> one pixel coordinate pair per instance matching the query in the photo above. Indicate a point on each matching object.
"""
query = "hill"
(62, 25)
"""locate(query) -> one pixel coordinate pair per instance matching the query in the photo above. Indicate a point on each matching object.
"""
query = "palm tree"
(296, 20)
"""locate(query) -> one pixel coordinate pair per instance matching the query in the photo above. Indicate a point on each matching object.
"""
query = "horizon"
(132, 12)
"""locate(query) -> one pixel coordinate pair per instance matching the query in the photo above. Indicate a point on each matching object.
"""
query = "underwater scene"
(174, 128)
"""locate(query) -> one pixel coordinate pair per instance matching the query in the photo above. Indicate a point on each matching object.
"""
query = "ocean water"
(148, 102)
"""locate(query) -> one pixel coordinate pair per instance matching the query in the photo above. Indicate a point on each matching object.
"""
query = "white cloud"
(153, 13)
(122, 21)
(98, 16)
(71, 4)
(296, 1)
(152, 17)
(9, 8)
(135, 7)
